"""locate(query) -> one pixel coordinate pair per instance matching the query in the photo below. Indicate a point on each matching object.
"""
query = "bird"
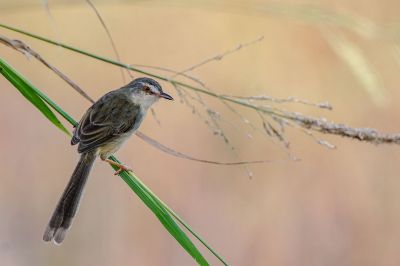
(102, 130)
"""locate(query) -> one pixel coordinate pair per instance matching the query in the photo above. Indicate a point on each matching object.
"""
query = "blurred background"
(334, 207)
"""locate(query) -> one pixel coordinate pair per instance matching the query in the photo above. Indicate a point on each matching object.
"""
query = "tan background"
(338, 207)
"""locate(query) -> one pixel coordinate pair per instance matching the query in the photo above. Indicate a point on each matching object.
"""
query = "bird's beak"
(166, 96)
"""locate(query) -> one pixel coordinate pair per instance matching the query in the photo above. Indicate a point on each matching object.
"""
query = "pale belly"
(111, 147)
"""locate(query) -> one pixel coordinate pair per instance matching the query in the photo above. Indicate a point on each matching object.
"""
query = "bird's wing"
(111, 116)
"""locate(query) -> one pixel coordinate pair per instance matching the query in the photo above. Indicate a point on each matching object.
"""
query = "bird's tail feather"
(68, 204)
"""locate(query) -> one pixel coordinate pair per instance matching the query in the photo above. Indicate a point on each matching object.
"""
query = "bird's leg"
(121, 167)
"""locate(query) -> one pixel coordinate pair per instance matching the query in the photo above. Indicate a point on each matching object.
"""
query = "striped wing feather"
(112, 115)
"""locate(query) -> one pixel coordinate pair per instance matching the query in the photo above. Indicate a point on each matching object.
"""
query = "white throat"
(144, 102)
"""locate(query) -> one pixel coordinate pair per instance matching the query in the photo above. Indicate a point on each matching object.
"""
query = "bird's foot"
(122, 167)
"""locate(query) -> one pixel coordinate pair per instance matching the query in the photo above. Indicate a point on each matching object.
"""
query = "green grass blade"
(162, 212)
(182, 222)
(29, 92)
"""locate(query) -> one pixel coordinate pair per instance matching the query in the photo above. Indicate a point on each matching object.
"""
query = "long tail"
(69, 201)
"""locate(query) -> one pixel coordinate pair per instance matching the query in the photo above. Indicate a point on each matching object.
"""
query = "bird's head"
(146, 91)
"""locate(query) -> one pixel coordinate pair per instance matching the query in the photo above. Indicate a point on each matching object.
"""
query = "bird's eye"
(147, 89)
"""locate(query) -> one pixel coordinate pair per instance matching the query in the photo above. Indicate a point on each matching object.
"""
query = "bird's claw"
(123, 168)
